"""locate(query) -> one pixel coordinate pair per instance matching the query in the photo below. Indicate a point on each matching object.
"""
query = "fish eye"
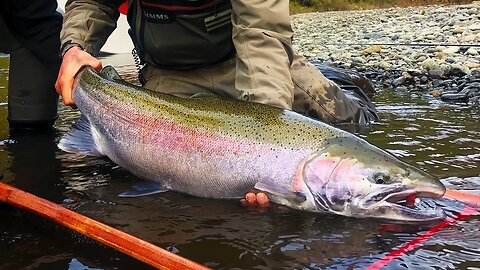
(381, 178)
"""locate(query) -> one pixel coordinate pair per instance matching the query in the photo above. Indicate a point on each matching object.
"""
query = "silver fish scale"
(202, 160)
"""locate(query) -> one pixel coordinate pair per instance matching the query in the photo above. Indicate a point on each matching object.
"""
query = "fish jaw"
(393, 204)
(421, 211)
(351, 177)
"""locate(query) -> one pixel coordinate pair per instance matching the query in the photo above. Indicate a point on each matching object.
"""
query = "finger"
(95, 64)
(66, 91)
(57, 85)
(243, 202)
(262, 200)
(251, 198)
(59, 82)
(62, 84)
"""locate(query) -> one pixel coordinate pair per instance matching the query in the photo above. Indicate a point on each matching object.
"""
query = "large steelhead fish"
(219, 148)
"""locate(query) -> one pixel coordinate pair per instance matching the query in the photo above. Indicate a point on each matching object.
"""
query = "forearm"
(262, 37)
(89, 23)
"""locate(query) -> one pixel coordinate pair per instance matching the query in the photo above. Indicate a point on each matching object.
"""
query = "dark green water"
(443, 139)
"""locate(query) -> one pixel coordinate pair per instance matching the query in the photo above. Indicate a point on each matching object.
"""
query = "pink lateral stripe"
(188, 139)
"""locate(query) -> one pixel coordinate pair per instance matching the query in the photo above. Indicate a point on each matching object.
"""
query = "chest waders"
(181, 34)
(32, 99)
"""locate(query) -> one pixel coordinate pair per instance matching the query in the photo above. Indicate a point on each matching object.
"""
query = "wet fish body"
(220, 148)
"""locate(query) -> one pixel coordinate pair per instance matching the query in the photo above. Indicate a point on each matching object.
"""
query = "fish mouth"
(411, 206)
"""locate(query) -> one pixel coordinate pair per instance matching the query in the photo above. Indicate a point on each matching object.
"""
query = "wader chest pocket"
(185, 34)
(218, 20)
(155, 15)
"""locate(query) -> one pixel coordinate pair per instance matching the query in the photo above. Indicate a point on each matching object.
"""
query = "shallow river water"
(443, 139)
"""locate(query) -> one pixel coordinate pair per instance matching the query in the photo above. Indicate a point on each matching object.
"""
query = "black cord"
(402, 44)
(139, 65)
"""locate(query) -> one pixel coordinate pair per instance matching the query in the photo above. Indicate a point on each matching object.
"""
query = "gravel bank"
(443, 55)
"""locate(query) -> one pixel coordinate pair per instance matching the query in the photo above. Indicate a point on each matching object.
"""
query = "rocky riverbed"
(434, 48)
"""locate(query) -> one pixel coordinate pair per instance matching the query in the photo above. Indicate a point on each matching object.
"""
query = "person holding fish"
(234, 49)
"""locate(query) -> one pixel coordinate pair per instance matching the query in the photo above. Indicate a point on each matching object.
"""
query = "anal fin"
(144, 188)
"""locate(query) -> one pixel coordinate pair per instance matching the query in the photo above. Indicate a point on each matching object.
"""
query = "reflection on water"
(440, 138)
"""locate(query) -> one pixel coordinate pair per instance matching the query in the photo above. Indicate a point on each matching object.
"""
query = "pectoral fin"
(278, 193)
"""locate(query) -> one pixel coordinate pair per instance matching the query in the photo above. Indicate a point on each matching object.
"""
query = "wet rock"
(469, 92)
(395, 37)
(473, 65)
(401, 89)
(453, 97)
(472, 51)
(430, 64)
(456, 69)
(467, 39)
(373, 49)
(441, 55)
(412, 72)
(476, 73)
(408, 78)
(474, 27)
(384, 65)
(450, 60)
(458, 30)
(399, 81)
(444, 83)
(423, 79)
(372, 36)
(421, 58)
(473, 11)
(444, 68)
(436, 93)
(383, 18)
(436, 73)
(451, 50)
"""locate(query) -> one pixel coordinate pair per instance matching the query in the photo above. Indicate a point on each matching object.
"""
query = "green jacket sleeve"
(89, 23)
(262, 35)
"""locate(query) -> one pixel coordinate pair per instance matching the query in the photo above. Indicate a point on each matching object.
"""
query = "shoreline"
(308, 6)
(445, 58)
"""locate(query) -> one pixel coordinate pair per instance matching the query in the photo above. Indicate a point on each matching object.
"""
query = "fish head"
(354, 178)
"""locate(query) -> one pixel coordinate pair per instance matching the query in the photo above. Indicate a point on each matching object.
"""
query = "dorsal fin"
(111, 74)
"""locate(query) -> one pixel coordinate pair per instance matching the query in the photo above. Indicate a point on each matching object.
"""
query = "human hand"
(73, 60)
(257, 201)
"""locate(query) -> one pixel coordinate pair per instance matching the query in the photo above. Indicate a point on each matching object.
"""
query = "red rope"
(411, 245)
